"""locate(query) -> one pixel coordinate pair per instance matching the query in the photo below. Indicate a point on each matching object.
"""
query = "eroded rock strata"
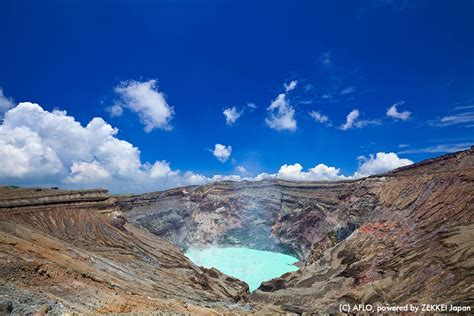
(416, 246)
(74, 251)
(405, 236)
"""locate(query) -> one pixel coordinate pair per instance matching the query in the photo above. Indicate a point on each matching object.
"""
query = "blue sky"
(195, 59)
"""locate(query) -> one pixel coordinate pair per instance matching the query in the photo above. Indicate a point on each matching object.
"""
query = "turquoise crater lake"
(249, 265)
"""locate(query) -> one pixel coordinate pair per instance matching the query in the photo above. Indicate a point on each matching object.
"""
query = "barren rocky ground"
(401, 237)
(81, 255)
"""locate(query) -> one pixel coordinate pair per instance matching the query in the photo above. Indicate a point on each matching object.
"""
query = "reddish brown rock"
(403, 237)
(417, 245)
(80, 254)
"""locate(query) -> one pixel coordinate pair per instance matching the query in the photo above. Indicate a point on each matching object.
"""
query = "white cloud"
(39, 147)
(380, 163)
(231, 177)
(64, 141)
(88, 172)
(23, 154)
(465, 107)
(51, 142)
(281, 115)
(222, 152)
(162, 169)
(5, 103)
(318, 117)
(353, 121)
(349, 90)
(393, 112)
(263, 176)
(115, 110)
(440, 148)
(232, 115)
(252, 105)
(350, 120)
(463, 116)
(291, 85)
(460, 118)
(242, 170)
(326, 96)
(320, 172)
(150, 104)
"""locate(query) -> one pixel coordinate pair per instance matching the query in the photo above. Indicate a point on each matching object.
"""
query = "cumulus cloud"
(49, 143)
(39, 147)
(394, 113)
(232, 115)
(5, 103)
(231, 177)
(281, 115)
(242, 170)
(318, 117)
(380, 163)
(88, 172)
(290, 86)
(23, 154)
(222, 152)
(149, 103)
(162, 169)
(374, 164)
(320, 172)
(353, 121)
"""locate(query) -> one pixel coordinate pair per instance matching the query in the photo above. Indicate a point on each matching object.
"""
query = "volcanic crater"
(406, 236)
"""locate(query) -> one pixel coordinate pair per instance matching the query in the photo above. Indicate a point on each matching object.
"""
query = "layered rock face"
(416, 247)
(297, 218)
(403, 237)
(74, 251)
(406, 236)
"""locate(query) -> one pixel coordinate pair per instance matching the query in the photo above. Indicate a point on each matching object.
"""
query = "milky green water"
(249, 265)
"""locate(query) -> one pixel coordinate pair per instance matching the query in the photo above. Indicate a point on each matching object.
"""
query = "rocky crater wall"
(401, 237)
(74, 251)
(274, 215)
(394, 238)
